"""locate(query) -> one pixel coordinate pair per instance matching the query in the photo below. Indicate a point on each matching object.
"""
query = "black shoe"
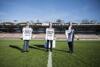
(71, 52)
(27, 50)
(23, 51)
(68, 51)
(47, 50)
(51, 50)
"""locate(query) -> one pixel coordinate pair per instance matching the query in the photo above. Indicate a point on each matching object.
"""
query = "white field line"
(49, 59)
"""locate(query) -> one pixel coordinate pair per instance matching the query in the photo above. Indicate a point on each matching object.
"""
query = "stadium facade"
(41, 27)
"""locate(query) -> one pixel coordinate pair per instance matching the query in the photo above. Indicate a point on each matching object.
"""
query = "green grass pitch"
(86, 54)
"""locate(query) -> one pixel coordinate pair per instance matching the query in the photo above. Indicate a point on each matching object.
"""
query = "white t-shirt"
(69, 35)
(49, 34)
(27, 33)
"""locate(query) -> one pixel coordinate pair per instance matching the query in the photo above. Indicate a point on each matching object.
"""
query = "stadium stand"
(82, 31)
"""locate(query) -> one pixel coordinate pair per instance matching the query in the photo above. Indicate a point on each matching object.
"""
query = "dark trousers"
(26, 45)
(70, 45)
(49, 41)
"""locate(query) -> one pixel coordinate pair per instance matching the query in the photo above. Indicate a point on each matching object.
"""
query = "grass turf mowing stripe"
(49, 59)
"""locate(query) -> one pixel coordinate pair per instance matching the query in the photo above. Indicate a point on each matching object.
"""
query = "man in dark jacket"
(70, 38)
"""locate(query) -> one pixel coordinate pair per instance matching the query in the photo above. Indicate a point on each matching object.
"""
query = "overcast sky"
(50, 10)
